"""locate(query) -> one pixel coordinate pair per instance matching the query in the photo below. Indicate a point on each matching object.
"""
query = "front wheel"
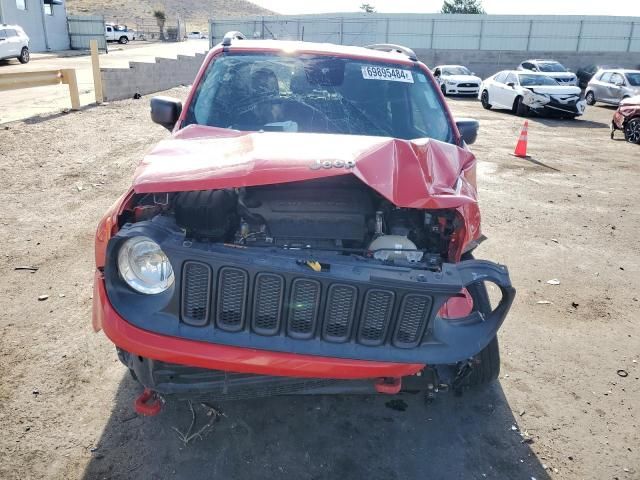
(444, 89)
(520, 108)
(486, 365)
(590, 98)
(24, 55)
(484, 99)
(632, 131)
(123, 40)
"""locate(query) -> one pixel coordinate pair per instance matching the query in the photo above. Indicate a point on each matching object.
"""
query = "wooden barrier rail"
(67, 76)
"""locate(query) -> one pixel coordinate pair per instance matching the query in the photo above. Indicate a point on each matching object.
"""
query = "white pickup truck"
(118, 33)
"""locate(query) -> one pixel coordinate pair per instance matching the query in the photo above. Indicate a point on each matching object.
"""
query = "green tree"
(462, 6)
(368, 8)
(161, 19)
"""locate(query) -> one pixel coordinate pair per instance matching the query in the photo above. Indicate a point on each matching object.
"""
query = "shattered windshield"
(318, 94)
(551, 67)
(456, 71)
(536, 80)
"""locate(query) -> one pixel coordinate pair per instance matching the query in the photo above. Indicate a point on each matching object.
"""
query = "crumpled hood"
(421, 173)
(555, 89)
(462, 78)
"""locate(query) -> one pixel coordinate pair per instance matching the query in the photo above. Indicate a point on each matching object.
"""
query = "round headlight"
(144, 266)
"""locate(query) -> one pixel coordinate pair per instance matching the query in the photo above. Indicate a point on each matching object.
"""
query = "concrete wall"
(567, 33)
(145, 78)
(57, 36)
(487, 62)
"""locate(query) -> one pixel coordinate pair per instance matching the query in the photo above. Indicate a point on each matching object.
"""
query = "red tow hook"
(148, 403)
(388, 385)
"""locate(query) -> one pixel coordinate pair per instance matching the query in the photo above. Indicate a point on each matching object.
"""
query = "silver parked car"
(613, 86)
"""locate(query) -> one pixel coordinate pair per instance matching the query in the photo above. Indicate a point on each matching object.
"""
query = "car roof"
(542, 60)
(445, 66)
(291, 46)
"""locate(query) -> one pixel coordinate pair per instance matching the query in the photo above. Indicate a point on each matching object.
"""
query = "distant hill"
(195, 13)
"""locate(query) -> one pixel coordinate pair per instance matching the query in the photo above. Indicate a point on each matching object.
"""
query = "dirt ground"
(560, 410)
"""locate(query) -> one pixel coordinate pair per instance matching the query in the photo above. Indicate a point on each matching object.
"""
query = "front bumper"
(557, 108)
(385, 318)
(458, 90)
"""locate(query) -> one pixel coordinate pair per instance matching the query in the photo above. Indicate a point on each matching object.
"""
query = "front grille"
(341, 305)
(232, 293)
(196, 285)
(378, 307)
(412, 320)
(267, 303)
(301, 308)
(468, 85)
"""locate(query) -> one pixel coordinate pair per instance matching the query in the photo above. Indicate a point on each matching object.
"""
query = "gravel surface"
(560, 409)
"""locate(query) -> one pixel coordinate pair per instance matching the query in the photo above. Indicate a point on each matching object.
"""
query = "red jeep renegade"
(306, 228)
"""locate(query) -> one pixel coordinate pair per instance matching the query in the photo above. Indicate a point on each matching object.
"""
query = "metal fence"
(83, 29)
(439, 31)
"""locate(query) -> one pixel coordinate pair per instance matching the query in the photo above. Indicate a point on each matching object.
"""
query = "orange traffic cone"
(521, 146)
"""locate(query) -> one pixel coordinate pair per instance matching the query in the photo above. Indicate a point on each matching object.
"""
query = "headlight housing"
(450, 82)
(144, 266)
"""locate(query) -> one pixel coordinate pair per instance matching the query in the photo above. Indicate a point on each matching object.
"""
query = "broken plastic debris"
(553, 281)
(42, 298)
(544, 302)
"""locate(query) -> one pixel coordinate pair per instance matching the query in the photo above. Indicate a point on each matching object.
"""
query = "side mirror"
(468, 128)
(534, 69)
(511, 84)
(165, 111)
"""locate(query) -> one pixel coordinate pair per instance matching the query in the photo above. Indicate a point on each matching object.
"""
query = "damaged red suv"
(307, 228)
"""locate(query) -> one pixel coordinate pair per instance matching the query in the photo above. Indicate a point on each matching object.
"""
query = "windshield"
(536, 80)
(456, 71)
(551, 67)
(318, 94)
(633, 78)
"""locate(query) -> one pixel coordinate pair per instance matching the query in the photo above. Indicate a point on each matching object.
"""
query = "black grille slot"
(196, 285)
(467, 85)
(378, 306)
(412, 320)
(303, 308)
(267, 309)
(232, 294)
(341, 305)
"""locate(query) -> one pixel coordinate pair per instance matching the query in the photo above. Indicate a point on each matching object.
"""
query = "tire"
(590, 98)
(632, 131)
(520, 108)
(484, 99)
(443, 89)
(25, 56)
(123, 40)
(486, 369)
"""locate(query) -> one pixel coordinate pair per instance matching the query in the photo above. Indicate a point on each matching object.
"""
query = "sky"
(515, 7)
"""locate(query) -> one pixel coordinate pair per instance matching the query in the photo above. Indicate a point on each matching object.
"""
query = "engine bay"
(339, 214)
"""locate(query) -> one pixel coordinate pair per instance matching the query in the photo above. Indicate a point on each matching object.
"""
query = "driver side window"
(501, 77)
(616, 79)
(511, 78)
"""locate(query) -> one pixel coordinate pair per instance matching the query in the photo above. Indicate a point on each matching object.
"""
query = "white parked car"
(14, 43)
(551, 68)
(457, 79)
(525, 92)
(118, 33)
(196, 35)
